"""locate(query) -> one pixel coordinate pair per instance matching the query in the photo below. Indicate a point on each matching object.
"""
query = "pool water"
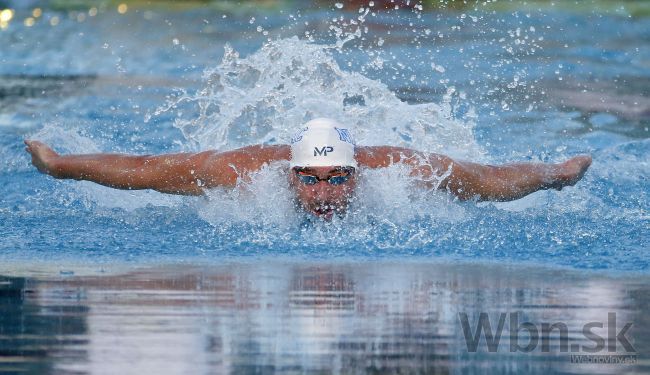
(101, 278)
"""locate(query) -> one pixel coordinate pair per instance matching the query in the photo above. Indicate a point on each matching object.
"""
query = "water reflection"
(309, 318)
(35, 330)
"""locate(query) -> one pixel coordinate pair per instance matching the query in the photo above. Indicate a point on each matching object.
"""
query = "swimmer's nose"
(322, 191)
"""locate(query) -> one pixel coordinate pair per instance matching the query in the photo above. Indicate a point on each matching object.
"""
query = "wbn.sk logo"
(532, 334)
(323, 150)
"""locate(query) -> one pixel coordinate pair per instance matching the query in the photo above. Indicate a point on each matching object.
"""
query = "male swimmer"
(324, 164)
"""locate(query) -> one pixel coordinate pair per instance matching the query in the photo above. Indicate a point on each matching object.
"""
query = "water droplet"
(437, 68)
(339, 5)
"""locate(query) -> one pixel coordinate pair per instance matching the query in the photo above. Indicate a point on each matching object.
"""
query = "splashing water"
(265, 97)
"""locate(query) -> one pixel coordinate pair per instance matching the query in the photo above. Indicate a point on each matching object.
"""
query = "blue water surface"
(529, 86)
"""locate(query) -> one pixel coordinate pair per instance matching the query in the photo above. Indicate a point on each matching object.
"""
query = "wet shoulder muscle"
(385, 156)
(224, 168)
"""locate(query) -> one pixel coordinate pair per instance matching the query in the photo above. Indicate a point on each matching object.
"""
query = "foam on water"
(385, 198)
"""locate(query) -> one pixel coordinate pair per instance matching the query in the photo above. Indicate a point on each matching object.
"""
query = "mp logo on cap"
(323, 150)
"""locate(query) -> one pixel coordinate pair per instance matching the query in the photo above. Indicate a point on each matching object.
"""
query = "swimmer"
(324, 166)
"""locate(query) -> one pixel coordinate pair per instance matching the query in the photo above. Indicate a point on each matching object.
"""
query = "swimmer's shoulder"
(380, 156)
(224, 168)
(253, 156)
(268, 153)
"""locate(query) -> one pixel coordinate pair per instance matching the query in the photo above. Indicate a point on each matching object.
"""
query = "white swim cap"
(322, 142)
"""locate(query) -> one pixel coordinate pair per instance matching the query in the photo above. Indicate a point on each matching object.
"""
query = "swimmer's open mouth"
(323, 211)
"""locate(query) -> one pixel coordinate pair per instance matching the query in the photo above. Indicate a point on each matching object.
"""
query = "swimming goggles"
(310, 179)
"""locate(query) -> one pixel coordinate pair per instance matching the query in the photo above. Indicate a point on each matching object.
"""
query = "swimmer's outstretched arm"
(184, 173)
(468, 180)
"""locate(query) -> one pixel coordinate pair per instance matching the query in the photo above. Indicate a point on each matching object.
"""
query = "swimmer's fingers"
(33, 146)
(572, 171)
(42, 155)
(28, 145)
(577, 167)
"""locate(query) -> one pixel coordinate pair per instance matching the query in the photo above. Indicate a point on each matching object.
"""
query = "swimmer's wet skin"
(324, 165)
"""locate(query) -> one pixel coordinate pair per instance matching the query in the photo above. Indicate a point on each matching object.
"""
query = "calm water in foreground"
(321, 317)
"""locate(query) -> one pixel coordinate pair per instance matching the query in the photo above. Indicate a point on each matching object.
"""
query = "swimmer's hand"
(570, 172)
(43, 157)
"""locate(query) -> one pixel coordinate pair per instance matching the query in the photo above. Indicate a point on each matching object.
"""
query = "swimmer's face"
(323, 191)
